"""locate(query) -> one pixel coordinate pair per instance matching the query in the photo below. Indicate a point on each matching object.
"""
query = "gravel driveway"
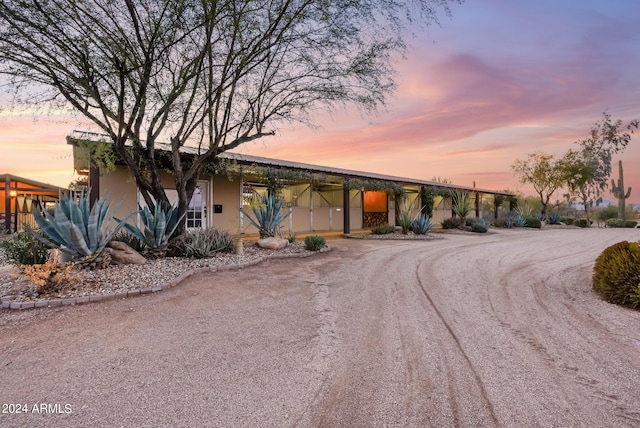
(471, 330)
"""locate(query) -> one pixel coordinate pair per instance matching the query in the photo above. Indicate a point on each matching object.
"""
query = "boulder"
(122, 254)
(273, 243)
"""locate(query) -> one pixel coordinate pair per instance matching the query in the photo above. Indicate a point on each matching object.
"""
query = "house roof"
(284, 164)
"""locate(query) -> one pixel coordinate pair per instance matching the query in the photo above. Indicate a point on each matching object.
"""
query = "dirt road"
(470, 330)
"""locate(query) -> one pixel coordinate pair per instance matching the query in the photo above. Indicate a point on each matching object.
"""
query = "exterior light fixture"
(13, 193)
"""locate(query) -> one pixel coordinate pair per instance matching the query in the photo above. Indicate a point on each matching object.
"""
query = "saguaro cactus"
(618, 192)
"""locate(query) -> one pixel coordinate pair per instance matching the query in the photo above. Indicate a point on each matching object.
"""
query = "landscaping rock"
(122, 254)
(397, 229)
(273, 243)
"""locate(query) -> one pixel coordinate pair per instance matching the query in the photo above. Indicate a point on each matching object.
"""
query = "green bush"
(451, 223)
(616, 274)
(581, 222)
(383, 229)
(202, 243)
(630, 223)
(614, 222)
(314, 242)
(25, 249)
(567, 220)
(533, 222)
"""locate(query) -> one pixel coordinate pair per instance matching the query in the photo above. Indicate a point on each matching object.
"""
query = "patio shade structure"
(17, 195)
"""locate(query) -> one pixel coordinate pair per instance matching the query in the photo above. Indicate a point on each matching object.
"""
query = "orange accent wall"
(375, 202)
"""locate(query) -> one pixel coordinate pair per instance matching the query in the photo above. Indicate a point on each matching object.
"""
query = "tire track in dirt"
(553, 330)
(453, 389)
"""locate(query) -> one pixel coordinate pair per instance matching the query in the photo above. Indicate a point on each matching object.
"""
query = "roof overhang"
(81, 164)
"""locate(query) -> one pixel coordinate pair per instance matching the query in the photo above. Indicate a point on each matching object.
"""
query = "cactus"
(618, 192)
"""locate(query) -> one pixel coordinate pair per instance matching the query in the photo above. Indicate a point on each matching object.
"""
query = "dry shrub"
(49, 276)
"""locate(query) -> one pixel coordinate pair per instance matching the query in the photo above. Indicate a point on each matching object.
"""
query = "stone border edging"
(105, 297)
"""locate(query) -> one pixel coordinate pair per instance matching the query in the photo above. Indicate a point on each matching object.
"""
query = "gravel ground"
(468, 330)
(115, 279)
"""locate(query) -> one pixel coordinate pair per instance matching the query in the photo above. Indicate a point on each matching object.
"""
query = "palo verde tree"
(211, 75)
(587, 169)
(542, 172)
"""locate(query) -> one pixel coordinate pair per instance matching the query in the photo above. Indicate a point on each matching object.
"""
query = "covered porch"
(18, 198)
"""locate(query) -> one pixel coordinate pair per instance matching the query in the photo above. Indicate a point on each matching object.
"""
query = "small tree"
(543, 173)
(586, 171)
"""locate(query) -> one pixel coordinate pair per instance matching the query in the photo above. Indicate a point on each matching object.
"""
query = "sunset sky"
(501, 79)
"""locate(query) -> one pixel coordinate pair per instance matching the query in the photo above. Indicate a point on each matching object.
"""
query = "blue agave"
(421, 225)
(75, 228)
(158, 228)
(268, 216)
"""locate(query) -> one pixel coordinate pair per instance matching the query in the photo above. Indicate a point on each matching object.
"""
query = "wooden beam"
(346, 212)
(94, 183)
(7, 204)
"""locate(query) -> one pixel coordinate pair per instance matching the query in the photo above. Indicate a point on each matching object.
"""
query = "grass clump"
(581, 222)
(616, 274)
(203, 243)
(314, 242)
(383, 229)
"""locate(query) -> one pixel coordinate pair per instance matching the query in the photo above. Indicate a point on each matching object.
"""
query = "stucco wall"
(227, 194)
(119, 185)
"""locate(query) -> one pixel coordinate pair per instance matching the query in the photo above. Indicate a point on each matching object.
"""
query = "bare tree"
(207, 74)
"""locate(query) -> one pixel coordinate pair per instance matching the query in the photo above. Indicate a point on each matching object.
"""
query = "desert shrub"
(609, 212)
(451, 223)
(616, 274)
(291, 238)
(533, 222)
(567, 220)
(383, 229)
(630, 223)
(25, 249)
(553, 218)
(314, 242)
(421, 225)
(202, 243)
(581, 222)
(614, 222)
(132, 241)
(479, 225)
(505, 221)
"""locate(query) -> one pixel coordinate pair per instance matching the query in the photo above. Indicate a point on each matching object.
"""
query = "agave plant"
(461, 205)
(78, 230)
(158, 228)
(268, 216)
(421, 225)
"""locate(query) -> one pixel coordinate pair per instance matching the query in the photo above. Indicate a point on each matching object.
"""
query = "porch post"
(94, 183)
(346, 202)
(477, 205)
(7, 204)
